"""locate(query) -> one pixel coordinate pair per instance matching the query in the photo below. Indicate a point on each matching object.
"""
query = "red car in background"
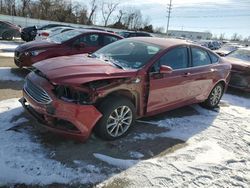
(240, 73)
(66, 43)
(123, 81)
(8, 30)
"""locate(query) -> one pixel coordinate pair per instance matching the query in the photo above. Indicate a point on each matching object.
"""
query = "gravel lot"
(187, 147)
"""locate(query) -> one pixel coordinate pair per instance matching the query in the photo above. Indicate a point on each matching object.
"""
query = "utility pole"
(169, 7)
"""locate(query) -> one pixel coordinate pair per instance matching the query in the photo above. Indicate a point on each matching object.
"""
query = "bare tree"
(120, 16)
(159, 30)
(108, 7)
(222, 36)
(93, 8)
(24, 7)
(236, 37)
(133, 18)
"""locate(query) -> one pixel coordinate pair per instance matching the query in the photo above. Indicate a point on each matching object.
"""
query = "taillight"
(45, 34)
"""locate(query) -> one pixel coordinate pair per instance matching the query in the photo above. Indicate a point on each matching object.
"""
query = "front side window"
(91, 40)
(176, 58)
(200, 57)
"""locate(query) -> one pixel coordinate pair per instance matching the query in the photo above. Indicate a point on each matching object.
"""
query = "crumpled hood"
(36, 45)
(79, 69)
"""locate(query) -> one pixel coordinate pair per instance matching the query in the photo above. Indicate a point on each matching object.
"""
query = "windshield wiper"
(114, 63)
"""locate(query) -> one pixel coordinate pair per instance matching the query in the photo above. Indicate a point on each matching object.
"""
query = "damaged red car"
(240, 73)
(126, 80)
(71, 42)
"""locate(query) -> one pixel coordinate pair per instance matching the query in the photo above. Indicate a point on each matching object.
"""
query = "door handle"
(187, 74)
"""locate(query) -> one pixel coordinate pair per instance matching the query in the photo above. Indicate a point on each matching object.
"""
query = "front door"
(171, 89)
(86, 44)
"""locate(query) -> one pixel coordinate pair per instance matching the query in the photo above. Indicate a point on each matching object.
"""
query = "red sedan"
(123, 81)
(66, 43)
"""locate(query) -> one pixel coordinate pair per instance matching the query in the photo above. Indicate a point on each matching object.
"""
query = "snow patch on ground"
(6, 74)
(217, 152)
(121, 163)
(8, 49)
(23, 160)
(136, 155)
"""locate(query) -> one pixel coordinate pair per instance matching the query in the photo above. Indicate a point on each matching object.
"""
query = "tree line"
(111, 12)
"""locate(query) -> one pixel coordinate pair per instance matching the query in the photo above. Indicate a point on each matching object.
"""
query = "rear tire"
(214, 97)
(118, 117)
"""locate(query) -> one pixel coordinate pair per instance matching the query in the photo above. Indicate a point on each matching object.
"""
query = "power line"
(169, 7)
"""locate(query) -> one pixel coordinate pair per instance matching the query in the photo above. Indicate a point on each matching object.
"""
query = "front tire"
(118, 117)
(214, 97)
(7, 36)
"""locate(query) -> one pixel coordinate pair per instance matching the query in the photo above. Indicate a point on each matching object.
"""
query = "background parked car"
(240, 73)
(66, 43)
(212, 45)
(226, 49)
(29, 33)
(9, 30)
(120, 82)
(44, 34)
(127, 34)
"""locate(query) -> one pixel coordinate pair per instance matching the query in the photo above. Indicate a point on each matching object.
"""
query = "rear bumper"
(69, 120)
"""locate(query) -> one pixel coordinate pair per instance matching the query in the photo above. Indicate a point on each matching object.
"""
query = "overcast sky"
(216, 16)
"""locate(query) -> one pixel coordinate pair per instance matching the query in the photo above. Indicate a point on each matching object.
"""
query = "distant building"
(193, 35)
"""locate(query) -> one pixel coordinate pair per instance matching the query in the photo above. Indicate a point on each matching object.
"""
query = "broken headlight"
(70, 94)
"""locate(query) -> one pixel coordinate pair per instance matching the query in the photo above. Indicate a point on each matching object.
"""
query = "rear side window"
(107, 39)
(213, 57)
(200, 57)
(176, 58)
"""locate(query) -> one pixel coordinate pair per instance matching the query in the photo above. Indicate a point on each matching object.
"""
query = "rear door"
(203, 72)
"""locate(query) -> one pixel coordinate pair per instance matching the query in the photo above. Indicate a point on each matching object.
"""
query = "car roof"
(164, 42)
(86, 30)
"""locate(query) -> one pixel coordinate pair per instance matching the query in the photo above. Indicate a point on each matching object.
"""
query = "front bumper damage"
(71, 120)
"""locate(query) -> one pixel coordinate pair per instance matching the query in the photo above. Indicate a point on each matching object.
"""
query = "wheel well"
(223, 84)
(120, 93)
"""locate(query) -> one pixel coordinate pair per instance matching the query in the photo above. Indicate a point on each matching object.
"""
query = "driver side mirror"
(165, 69)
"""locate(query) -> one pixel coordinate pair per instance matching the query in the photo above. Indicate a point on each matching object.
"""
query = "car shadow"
(238, 97)
(150, 137)
(20, 72)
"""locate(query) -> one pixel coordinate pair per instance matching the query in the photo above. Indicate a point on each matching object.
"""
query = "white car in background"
(228, 48)
(44, 34)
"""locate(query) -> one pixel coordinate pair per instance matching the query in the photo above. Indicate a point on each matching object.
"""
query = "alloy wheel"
(216, 95)
(119, 121)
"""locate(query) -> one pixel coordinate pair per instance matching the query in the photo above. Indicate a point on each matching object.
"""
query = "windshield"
(241, 54)
(127, 53)
(62, 37)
